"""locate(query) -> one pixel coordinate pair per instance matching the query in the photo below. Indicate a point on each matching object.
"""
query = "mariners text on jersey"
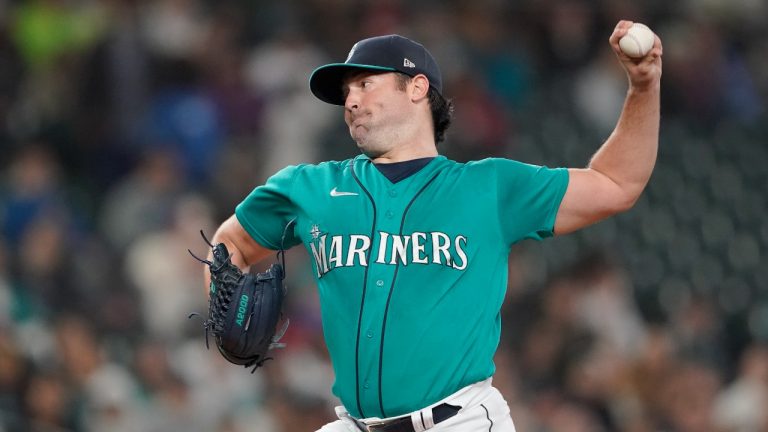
(417, 248)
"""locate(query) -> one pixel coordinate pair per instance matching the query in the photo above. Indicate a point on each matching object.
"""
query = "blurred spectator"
(32, 190)
(11, 76)
(480, 129)
(44, 270)
(174, 29)
(572, 417)
(51, 36)
(111, 402)
(495, 49)
(698, 333)
(740, 407)
(688, 397)
(707, 77)
(279, 69)
(7, 314)
(143, 201)
(182, 118)
(13, 374)
(119, 73)
(239, 104)
(48, 404)
(599, 92)
(647, 375)
(569, 29)
(163, 276)
(46, 30)
(607, 307)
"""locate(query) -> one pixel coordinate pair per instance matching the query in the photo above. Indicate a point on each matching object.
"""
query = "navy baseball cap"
(392, 53)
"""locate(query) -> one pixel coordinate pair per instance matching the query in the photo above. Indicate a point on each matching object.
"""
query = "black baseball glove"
(243, 309)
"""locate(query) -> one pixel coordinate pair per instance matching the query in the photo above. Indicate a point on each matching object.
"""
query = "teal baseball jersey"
(412, 274)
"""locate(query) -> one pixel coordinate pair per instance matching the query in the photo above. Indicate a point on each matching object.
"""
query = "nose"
(352, 101)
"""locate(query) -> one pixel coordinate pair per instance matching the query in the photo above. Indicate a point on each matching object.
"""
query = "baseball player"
(410, 249)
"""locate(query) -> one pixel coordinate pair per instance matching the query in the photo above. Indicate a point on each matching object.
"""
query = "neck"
(406, 153)
(420, 143)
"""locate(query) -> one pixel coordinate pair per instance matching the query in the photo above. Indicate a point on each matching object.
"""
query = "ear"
(419, 87)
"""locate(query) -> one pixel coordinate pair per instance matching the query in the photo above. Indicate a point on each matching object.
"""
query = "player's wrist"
(652, 86)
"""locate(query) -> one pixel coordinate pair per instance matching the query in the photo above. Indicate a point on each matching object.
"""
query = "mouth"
(358, 119)
(357, 126)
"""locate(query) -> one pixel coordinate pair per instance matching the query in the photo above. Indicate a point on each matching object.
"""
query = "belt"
(440, 413)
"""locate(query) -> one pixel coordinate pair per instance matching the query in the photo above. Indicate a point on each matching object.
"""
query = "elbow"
(624, 206)
(626, 201)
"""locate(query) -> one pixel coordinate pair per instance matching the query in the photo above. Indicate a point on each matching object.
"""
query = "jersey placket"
(391, 202)
(380, 278)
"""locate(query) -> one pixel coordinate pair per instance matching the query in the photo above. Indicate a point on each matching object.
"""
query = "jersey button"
(392, 193)
(390, 214)
(379, 282)
(366, 385)
(370, 335)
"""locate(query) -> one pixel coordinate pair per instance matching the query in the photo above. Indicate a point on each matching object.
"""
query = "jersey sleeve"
(529, 198)
(266, 211)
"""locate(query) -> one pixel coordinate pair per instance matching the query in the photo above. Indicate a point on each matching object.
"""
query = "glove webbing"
(220, 300)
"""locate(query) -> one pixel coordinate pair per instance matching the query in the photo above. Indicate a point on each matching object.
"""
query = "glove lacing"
(221, 296)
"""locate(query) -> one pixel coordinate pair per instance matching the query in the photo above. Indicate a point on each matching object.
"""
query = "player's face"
(377, 111)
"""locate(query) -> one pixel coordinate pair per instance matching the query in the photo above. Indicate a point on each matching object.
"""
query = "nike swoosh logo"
(335, 193)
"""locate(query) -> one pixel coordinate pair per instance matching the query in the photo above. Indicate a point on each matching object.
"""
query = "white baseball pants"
(483, 410)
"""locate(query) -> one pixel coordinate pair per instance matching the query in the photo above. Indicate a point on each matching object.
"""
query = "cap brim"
(326, 81)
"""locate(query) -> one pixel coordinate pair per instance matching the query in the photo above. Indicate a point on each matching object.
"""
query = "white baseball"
(637, 41)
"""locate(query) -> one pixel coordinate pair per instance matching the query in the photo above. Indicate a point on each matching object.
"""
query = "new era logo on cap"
(391, 53)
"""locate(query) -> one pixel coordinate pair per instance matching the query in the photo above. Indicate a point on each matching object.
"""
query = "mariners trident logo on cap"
(393, 53)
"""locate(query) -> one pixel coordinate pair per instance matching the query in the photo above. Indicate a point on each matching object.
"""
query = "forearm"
(628, 156)
(244, 251)
(622, 166)
(235, 254)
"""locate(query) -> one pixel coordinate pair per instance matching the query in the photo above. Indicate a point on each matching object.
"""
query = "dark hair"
(442, 108)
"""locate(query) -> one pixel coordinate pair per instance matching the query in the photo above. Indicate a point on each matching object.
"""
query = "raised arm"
(622, 166)
(244, 249)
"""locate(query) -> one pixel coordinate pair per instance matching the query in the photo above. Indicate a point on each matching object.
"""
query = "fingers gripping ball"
(638, 41)
(244, 310)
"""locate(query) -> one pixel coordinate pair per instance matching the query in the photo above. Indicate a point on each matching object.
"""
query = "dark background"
(129, 125)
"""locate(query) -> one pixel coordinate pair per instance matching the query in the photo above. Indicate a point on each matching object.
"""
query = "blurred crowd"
(130, 125)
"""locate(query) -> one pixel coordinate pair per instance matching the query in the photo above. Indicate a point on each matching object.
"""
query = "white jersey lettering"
(399, 247)
(417, 246)
(321, 262)
(359, 251)
(440, 245)
(383, 243)
(334, 258)
(351, 250)
(461, 253)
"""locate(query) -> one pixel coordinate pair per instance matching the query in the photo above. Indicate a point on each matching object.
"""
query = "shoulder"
(309, 171)
(512, 173)
(492, 165)
(497, 162)
(452, 167)
(507, 166)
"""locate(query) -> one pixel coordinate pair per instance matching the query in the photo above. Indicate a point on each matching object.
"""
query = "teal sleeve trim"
(563, 178)
(251, 230)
